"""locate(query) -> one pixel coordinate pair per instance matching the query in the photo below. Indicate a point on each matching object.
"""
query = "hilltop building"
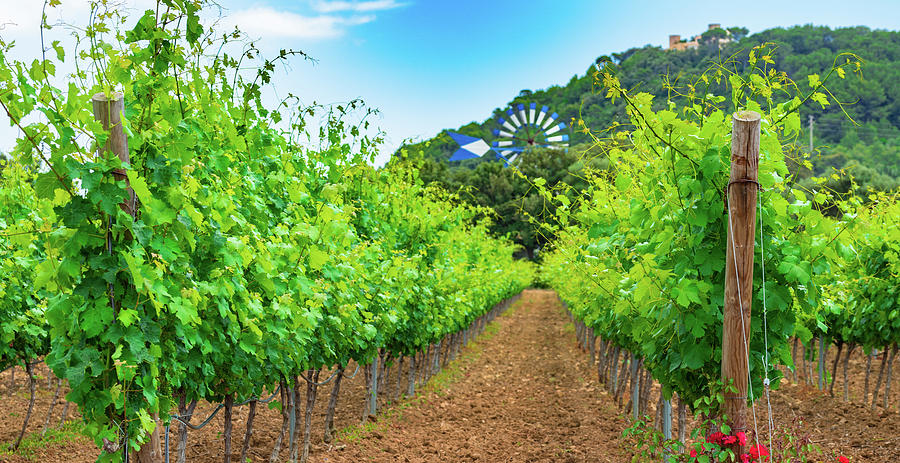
(719, 37)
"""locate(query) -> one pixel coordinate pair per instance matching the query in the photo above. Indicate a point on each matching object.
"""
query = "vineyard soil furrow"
(527, 394)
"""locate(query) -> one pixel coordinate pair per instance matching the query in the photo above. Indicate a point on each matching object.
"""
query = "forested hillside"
(860, 137)
(868, 140)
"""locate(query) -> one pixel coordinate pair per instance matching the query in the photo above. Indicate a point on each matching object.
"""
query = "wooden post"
(108, 111)
(742, 192)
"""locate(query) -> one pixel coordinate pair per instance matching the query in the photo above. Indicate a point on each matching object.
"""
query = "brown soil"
(526, 398)
(853, 428)
(523, 392)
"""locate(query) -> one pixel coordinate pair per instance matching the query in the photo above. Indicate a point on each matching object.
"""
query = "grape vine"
(258, 251)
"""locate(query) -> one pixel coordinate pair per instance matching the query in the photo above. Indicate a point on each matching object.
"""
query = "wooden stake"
(742, 193)
(373, 392)
(411, 385)
(846, 361)
(108, 111)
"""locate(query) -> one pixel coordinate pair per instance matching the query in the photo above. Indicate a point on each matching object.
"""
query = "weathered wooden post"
(108, 111)
(742, 193)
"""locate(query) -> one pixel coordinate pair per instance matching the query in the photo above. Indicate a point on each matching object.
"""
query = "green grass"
(71, 431)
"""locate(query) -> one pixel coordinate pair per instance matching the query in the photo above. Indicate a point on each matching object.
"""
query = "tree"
(713, 36)
(738, 33)
(509, 191)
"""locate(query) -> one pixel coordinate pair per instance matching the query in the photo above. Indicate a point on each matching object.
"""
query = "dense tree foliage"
(509, 193)
(859, 132)
(856, 139)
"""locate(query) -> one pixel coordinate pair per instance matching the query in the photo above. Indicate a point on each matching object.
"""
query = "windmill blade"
(549, 121)
(558, 138)
(462, 155)
(557, 128)
(541, 115)
(531, 110)
(513, 119)
(503, 133)
(469, 147)
(502, 143)
(522, 114)
(555, 145)
(505, 123)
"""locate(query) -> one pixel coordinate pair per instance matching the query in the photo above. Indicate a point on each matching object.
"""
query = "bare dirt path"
(527, 397)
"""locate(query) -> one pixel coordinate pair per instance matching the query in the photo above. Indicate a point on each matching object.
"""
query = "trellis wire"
(333, 374)
(354, 372)
(181, 418)
(203, 423)
(762, 259)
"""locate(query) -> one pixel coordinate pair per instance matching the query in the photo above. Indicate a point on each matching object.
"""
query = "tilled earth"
(523, 392)
(527, 398)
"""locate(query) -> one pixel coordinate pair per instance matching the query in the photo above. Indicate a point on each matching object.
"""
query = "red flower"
(728, 440)
(693, 453)
(745, 458)
(843, 459)
(715, 438)
(741, 437)
(759, 450)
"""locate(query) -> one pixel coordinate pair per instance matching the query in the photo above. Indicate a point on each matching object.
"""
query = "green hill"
(868, 148)
(871, 149)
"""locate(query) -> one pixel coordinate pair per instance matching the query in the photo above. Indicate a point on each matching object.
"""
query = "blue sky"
(428, 65)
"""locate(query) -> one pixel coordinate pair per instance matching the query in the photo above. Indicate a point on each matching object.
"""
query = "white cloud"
(271, 23)
(333, 6)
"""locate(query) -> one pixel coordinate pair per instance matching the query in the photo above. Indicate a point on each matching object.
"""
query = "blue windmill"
(521, 128)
